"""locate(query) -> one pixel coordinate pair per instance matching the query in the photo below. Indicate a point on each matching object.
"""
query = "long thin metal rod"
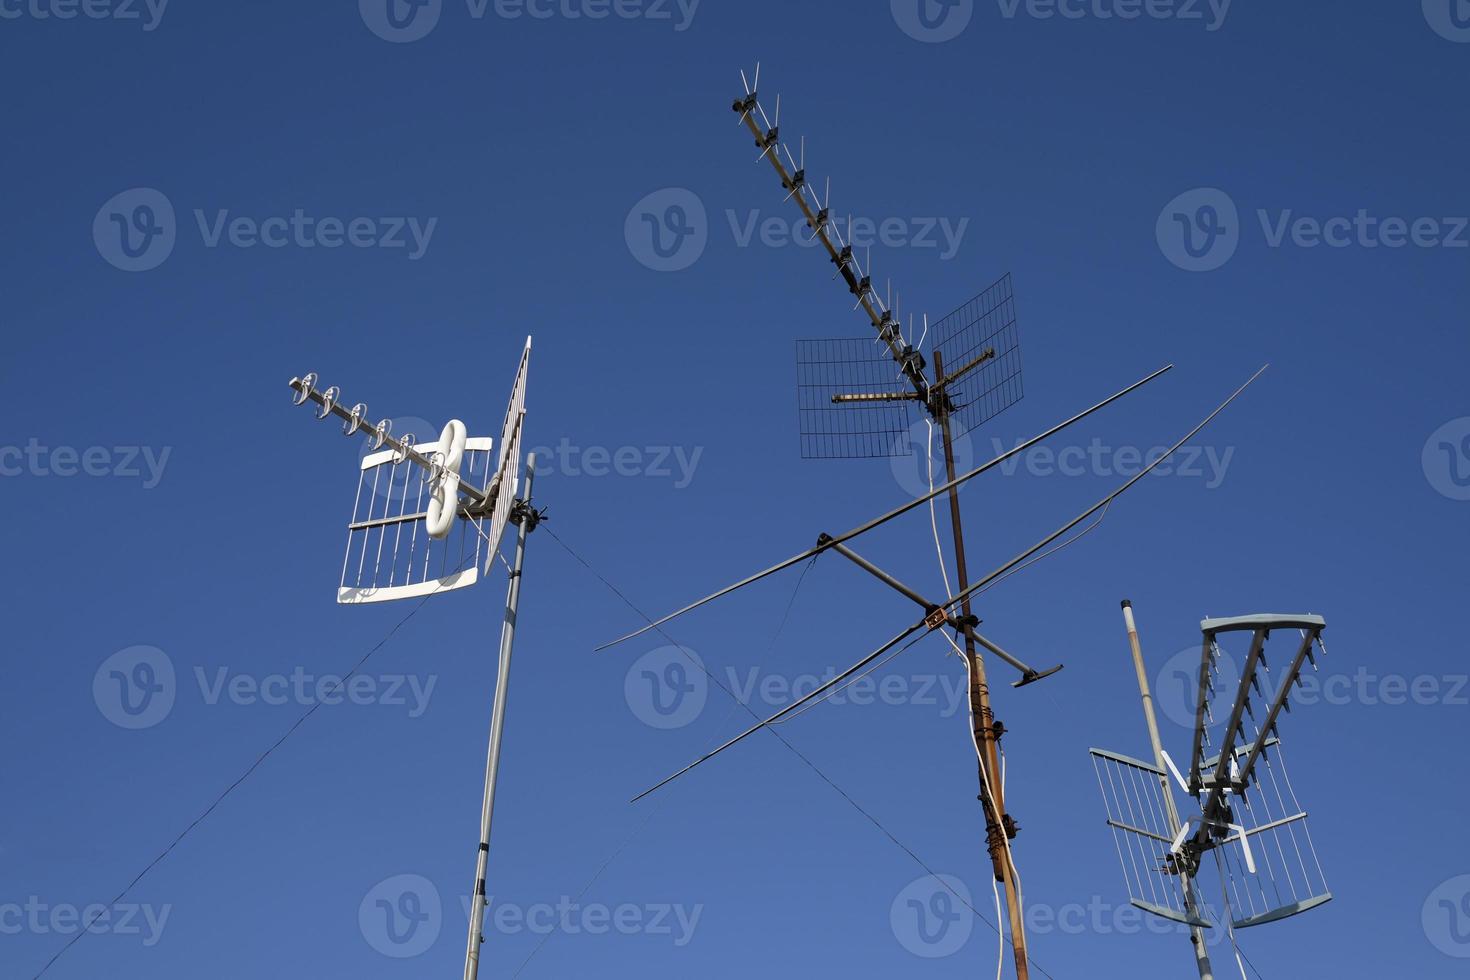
(480, 498)
(497, 726)
(929, 606)
(921, 624)
(1196, 934)
(896, 512)
(1050, 538)
(1282, 694)
(887, 331)
(883, 576)
(789, 708)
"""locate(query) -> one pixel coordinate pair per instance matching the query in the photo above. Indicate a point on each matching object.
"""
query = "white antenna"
(1161, 854)
(453, 487)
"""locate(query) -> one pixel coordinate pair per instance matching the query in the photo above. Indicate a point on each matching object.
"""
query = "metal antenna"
(851, 404)
(1277, 876)
(462, 492)
(877, 401)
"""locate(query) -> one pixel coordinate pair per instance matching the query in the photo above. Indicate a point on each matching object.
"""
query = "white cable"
(933, 519)
(979, 754)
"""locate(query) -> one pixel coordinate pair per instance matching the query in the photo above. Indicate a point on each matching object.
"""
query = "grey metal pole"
(1196, 934)
(497, 725)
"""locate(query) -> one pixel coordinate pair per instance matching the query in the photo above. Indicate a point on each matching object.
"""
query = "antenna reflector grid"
(1133, 795)
(390, 553)
(985, 323)
(851, 430)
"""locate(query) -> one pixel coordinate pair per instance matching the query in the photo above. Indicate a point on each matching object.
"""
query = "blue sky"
(396, 203)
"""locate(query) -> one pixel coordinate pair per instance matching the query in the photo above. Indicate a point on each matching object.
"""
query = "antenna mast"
(1171, 812)
(456, 490)
(934, 396)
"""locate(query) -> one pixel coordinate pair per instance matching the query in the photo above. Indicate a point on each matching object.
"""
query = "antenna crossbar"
(794, 181)
(380, 436)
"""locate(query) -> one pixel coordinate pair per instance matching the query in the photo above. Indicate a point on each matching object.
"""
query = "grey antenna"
(859, 408)
(421, 529)
(1246, 813)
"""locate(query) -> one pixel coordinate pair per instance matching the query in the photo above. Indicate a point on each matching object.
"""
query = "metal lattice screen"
(863, 430)
(986, 322)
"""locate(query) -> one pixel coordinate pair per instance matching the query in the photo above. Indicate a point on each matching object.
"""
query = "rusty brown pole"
(998, 825)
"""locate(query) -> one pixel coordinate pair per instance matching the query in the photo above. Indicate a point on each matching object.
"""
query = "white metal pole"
(1196, 934)
(497, 725)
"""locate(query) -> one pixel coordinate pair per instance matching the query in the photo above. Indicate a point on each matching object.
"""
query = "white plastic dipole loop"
(444, 499)
(405, 443)
(304, 392)
(352, 425)
(329, 399)
(381, 431)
